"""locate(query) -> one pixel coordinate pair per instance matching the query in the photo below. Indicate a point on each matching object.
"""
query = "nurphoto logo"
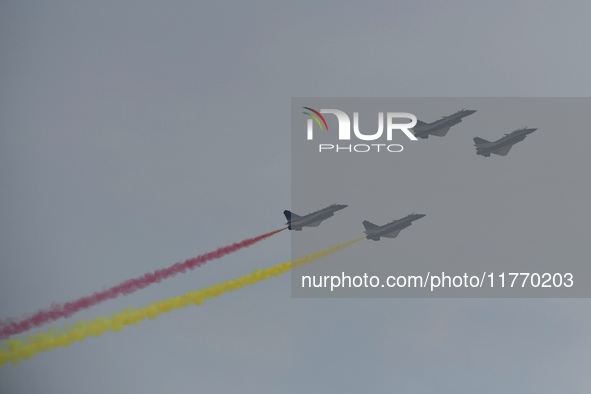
(344, 130)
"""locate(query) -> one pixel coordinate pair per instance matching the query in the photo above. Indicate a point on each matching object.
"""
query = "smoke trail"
(57, 311)
(15, 350)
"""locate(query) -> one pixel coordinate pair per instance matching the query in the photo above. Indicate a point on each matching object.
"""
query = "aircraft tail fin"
(420, 132)
(369, 225)
(289, 215)
(480, 141)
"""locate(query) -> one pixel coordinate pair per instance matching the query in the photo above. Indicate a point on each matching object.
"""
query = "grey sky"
(137, 134)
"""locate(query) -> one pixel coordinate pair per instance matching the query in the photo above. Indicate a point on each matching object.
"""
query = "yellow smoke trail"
(15, 350)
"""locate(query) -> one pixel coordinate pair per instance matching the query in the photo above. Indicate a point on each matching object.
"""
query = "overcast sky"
(136, 134)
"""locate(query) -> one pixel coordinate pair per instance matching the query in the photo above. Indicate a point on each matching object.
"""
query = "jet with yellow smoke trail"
(15, 350)
(390, 230)
(59, 311)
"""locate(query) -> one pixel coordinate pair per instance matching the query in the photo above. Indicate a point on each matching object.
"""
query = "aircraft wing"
(393, 234)
(441, 132)
(503, 151)
(315, 224)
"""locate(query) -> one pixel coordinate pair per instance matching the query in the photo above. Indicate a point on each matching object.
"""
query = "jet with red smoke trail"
(58, 311)
(296, 222)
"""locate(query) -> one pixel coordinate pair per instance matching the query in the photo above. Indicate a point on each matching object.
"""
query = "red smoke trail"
(57, 311)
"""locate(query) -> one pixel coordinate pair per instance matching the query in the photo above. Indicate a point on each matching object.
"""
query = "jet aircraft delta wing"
(440, 127)
(296, 222)
(390, 230)
(503, 145)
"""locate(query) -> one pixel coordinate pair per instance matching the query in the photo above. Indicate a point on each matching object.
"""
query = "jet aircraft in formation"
(503, 145)
(423, 130)
(374, 232)
(390, 230)
(483, 147)
(296, 222)
(440, 127)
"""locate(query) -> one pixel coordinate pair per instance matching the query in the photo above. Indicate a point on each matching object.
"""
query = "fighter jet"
(295, 222)
(503, 145)
(440, 127)
(390, 230)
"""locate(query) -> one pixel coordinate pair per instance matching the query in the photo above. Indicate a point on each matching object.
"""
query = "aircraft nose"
(342, 206)
(420, 215)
